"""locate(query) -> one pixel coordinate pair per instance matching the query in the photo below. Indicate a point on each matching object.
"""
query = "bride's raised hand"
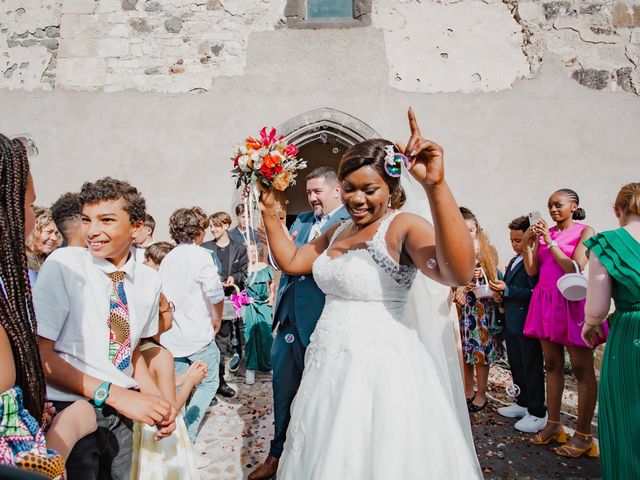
(426, 158)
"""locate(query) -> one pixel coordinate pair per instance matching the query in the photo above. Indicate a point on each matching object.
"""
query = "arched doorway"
(322, 135)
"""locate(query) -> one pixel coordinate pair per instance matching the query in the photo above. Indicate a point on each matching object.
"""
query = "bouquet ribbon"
(239, 300)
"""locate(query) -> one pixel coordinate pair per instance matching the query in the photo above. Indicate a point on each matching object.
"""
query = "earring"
(389, 203)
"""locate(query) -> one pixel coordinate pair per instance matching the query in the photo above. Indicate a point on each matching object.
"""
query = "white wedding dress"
(371, 404)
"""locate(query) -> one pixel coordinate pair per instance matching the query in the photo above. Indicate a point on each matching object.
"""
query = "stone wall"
(115, 45)
(180, 46)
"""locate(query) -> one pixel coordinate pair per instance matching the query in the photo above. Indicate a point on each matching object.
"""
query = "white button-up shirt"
(71, 300)
(191, 281)
(319, 222)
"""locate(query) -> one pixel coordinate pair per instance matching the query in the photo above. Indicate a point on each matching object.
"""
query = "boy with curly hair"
(93, 306)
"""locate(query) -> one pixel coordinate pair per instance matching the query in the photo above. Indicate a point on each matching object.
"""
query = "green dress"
(257, 317)
(619, 407)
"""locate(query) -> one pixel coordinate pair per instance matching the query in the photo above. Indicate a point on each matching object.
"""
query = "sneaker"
(531, 424)
(234, 363)
(250, 378)
(513, 411)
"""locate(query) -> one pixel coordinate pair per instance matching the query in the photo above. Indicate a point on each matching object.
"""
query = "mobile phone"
(534, 217)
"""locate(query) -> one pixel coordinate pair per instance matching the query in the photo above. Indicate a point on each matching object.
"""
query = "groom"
(300, 303)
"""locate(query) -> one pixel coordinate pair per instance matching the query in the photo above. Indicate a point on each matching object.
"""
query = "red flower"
(268, 139)
(267, 171)
(291, 150)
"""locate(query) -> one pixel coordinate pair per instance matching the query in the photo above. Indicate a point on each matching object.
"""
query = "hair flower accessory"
(393, 162)
(268, 159)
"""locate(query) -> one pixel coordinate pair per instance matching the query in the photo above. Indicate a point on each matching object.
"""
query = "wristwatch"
(101, 394)
(553, 243)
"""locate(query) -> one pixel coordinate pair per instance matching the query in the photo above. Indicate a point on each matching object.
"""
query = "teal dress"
(257, 317)
(619, 403)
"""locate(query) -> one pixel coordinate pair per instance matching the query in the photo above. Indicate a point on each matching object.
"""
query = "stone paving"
(237, 432)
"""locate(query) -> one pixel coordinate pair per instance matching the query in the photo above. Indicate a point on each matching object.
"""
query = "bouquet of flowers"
(269, 160)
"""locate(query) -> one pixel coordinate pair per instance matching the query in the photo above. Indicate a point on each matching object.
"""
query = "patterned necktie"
(119, 338)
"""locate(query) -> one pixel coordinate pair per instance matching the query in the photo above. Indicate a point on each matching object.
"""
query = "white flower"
(282, 144)
(243, 162)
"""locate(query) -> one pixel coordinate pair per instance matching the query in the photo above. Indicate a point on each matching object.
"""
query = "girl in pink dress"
(556, 321)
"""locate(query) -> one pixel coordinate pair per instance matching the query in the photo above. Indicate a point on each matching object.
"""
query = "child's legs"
(554, 367)
(583, 369)
(482, 380)
(204, 392)
(534, 372)
(105, 453)
(468, 380)
(74, 422)
(516, 364)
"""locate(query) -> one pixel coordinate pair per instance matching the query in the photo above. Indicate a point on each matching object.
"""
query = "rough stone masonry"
(179, 46)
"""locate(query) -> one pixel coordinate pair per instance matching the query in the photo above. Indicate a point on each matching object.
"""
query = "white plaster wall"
(465, 47)
(505, 152)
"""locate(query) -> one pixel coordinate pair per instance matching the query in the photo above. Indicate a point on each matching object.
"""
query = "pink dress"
(552, 317)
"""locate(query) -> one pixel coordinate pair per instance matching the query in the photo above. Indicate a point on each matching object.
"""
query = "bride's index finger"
(413, 124)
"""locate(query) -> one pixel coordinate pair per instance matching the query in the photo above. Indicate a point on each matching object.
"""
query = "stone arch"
(308, 127)
(322, 135)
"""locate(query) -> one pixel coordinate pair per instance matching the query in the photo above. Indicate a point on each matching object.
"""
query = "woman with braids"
(551, 252)
(22, 383)
(477, 318)
(43, 239)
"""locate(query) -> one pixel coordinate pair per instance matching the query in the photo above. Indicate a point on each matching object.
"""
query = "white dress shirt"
(71, 300)
(516, 261)
(191, 281)
(319, 222)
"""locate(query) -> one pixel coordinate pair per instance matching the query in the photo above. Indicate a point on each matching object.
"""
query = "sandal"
(476, 408)
(560, 437)
(590, 450)
(469, 400)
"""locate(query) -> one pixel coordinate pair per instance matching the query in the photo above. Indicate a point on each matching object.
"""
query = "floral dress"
(22, 442)
(479, 345)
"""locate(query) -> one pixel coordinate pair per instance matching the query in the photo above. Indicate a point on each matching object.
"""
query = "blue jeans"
(204, 392)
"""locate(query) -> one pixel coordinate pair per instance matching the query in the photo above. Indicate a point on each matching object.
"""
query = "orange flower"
(252, 143)
(270, 161)
(282, 180)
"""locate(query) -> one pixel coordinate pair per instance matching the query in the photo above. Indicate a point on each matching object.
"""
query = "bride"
(374, 403)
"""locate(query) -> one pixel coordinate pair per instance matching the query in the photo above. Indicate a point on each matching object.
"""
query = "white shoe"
(250, 378)
(531, 424)
(513, 411)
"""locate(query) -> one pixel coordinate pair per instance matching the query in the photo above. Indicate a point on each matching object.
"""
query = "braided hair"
(17, 316)
(579, 213)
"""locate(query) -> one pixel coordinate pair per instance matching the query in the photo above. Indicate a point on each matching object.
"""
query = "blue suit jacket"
(299, 298)
(517, 296)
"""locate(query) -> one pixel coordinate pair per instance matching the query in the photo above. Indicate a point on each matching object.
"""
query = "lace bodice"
(366, 274)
